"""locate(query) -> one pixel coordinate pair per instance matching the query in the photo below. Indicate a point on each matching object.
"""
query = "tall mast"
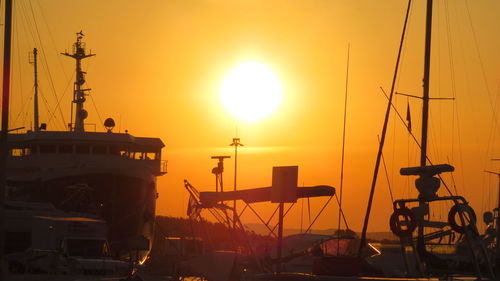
(427, 70)
(35, 98)
(5, 123)
(425, 116)
(79, 93)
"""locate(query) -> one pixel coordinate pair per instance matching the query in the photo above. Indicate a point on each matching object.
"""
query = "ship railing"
(163, 166)
(89, 127)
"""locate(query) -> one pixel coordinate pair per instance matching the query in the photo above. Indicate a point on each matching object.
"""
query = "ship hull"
(127, 203)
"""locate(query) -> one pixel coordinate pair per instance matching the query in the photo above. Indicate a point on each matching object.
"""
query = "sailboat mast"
(427, 70)
(5, 123)
(35, 98)
(425, 115)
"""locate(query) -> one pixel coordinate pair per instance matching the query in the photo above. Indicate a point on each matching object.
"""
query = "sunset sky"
(160, 65)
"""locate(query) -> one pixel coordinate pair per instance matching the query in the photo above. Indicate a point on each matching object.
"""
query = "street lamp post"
(235, 143)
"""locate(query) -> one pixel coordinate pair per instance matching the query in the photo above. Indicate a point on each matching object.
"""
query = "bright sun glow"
(251, 91)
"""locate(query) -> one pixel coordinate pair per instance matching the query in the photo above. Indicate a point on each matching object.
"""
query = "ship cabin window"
(47, 148)
(118, 151)
(142, 155)
(16, 152)
(99, 149)
(65, 149)
(82, 149)
(151, 156)
(19, 152)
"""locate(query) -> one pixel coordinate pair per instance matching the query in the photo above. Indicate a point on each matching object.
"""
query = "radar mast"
(78, 92)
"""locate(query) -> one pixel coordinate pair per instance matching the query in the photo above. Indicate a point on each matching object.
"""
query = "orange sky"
(159, 66)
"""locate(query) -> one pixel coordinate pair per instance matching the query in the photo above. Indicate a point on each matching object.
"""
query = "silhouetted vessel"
(98, 174)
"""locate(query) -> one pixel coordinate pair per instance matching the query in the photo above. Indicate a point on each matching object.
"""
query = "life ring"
(469, 214)
(408, 220)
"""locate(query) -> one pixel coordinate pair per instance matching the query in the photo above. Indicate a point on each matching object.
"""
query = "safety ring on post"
(403, 222)
(469, 217)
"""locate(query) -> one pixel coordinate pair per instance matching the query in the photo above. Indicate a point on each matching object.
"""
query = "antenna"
(35, 97)
(79, 93)
(217, 171)
(236, 142)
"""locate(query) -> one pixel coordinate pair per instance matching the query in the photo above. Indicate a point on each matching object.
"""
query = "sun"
(251, 91)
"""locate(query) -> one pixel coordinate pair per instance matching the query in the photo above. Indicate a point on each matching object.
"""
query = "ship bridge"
(48, 150)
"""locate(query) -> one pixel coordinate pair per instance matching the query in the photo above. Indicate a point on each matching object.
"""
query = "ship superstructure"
(105, 175)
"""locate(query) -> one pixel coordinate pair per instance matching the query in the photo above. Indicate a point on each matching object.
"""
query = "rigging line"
(95, 107)
(51, 37)
(432, 140)
(28, 30)
(310, 225)
(437, 122)
(454, 93)
(342, 212)
(215, 213)
(452, 78)
(483, 72)
(401, 119)
(384, 129)
(408, 153)
(26, 23)
(20, 80)
(271, 231)
(460, 155)
(271, 217)
(286, 212)
(25, 117)
(46, 64)
(491, 137)
(93, 102)
(456, 114)
(242, 211)
(44, 99)
(317, 216)
(414, 138)
(343, 137)
(221, 210)
(393, 144)
(453, 180)
(387, 175)
(22, 111)
(452, 68)
(63, 95)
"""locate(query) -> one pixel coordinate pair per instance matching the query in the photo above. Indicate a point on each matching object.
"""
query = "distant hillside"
(182, 227)
(262, 230)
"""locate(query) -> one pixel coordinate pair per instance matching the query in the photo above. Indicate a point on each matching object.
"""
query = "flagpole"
(408, 117)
